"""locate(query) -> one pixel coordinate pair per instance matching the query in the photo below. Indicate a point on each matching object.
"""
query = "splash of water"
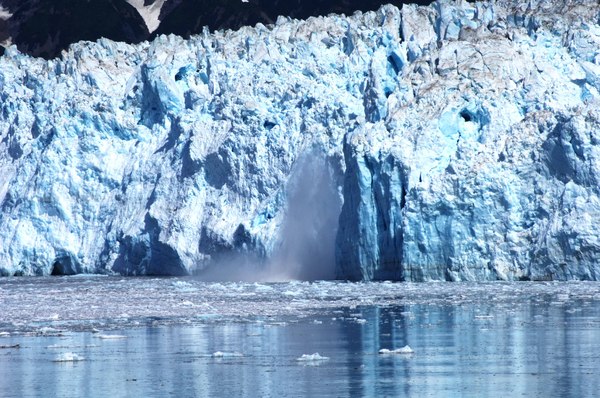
(306, 249)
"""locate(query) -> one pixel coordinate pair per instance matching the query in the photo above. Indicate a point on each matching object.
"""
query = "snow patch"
(4, 13)
(150, 14)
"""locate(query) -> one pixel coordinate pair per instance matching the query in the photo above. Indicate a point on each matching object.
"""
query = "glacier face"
(452, 142)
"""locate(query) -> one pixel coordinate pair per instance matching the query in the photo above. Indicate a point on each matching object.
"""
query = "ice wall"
(456, 142)
(485, 164)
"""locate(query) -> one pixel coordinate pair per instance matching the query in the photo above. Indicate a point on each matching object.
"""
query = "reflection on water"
(527, 349)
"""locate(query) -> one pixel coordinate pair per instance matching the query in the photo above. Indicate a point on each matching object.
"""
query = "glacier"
(458, 141)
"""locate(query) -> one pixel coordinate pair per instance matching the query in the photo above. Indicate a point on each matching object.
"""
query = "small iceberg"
(68, 357)
(316, 357)
(404, 350)
(111, 336)
(48, 331)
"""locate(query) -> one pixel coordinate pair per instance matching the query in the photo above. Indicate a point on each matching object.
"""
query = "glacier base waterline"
(449, 142)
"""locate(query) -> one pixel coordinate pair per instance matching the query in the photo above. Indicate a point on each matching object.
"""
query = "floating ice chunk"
(4, 334)
(111, 336)
(68, 357)
(316, 357)
(46, 330)
(221, 354)
(404, 350)
(56, 346)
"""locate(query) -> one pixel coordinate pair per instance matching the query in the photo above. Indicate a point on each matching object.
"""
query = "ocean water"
(142, 337)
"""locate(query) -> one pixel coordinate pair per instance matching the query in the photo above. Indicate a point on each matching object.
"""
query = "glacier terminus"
(458, 141)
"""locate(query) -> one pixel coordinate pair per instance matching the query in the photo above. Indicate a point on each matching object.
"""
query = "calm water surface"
(181, 337)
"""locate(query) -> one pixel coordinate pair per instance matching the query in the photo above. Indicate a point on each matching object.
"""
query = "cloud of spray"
(235, 267)
(306, 247)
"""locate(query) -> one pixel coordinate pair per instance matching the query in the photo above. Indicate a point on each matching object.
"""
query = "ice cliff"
(451, 142)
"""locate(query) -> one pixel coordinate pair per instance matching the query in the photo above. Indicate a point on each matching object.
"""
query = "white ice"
(68, 357)
(403, 350)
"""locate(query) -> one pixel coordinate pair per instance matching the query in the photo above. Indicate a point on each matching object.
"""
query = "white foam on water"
(68, 357)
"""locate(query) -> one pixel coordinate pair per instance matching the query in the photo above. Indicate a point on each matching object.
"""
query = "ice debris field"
(459, 141)
(107, 305)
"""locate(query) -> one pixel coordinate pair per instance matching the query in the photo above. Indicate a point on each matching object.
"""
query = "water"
(182, 337)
